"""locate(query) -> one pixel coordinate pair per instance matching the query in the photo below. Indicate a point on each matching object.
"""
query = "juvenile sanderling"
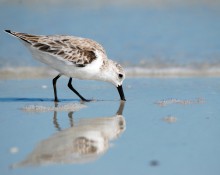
(74, 57)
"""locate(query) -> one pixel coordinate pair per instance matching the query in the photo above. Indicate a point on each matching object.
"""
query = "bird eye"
(120, 75)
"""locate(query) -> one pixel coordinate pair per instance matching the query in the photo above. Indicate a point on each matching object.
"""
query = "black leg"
(54, 87)
(75, 91)
(70, 115)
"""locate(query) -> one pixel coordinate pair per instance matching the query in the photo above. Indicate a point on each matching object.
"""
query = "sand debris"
(14, 150)
(66, 107)
(170, 119)
(44, 86)
(181, 102)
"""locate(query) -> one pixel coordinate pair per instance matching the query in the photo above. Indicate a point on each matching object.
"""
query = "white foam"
(181, 102)
(172, 72)
(26, 72)
(139, 71)
(65, 107)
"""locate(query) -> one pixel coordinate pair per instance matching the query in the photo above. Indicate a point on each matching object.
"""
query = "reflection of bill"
(81, 143)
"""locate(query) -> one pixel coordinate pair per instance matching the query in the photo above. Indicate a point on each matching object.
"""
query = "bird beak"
(121, 93)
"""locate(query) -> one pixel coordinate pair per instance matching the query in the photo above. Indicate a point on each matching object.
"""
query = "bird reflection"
(85, 141)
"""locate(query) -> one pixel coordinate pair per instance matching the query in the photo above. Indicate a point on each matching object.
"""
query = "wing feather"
(75, 50)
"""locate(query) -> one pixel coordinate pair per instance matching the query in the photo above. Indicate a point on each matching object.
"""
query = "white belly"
(91, 71)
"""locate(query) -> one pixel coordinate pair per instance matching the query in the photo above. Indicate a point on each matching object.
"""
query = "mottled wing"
(74, 50)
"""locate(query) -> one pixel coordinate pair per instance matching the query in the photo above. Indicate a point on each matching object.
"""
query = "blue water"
(147, 144)
(140, 36)
(134, 36)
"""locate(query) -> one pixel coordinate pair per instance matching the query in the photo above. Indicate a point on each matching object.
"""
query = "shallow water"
(137, 36)
(168, 126)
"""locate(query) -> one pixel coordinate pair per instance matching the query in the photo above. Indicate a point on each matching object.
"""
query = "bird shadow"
(17, 99)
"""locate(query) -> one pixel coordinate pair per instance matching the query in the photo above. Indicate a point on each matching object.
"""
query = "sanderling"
(74, 57)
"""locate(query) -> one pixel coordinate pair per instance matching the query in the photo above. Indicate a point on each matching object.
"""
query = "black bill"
(121, 93)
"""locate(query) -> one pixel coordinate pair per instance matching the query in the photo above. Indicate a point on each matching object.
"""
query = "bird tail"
(10, 32)
(18, 35)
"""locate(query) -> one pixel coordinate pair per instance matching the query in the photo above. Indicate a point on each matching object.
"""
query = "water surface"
(168, 126)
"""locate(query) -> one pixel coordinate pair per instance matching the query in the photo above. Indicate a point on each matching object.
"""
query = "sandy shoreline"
(134, 72)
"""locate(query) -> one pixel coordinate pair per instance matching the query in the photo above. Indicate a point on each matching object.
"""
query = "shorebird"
(74, 57)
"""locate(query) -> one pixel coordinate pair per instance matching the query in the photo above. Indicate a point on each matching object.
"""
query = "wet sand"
(167, 126)
(131, 72)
